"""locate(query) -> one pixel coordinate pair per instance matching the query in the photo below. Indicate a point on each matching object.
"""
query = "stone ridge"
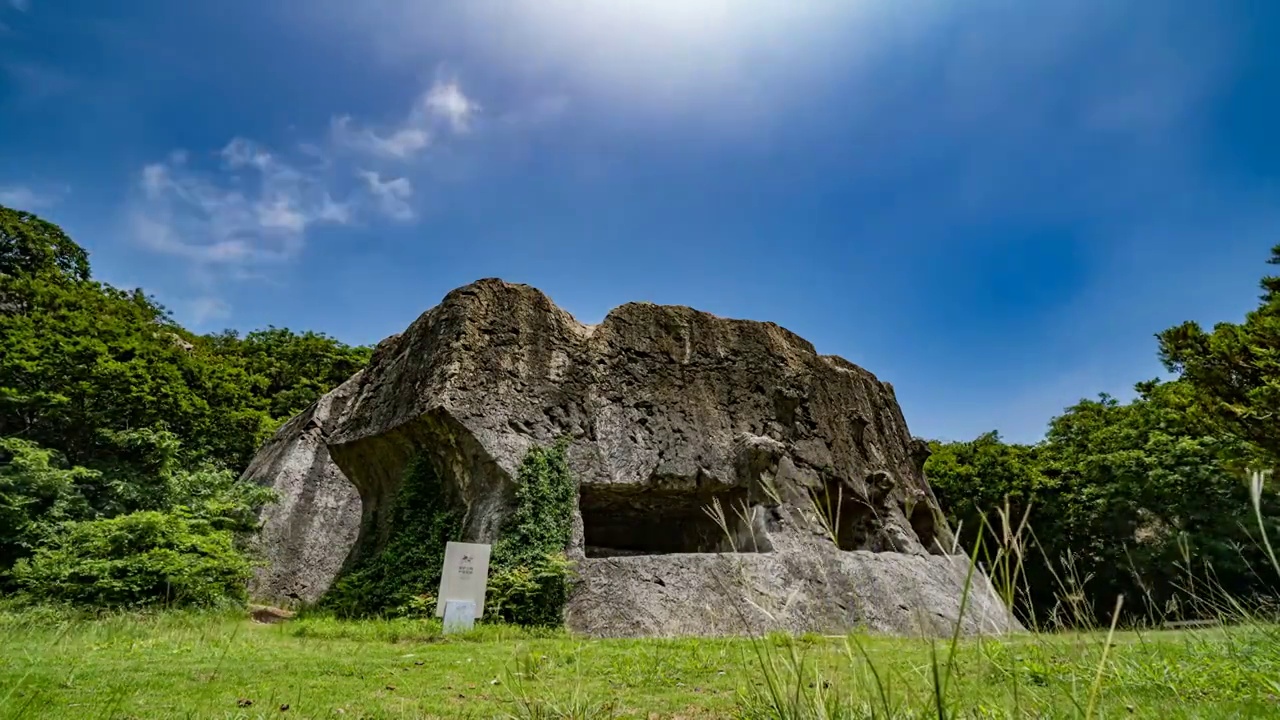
(674, 414)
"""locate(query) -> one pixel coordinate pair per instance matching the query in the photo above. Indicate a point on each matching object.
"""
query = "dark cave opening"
(924, 523)
(844, 515)
(629, 520)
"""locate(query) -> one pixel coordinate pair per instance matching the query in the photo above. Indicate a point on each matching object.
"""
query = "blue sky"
(993, 205)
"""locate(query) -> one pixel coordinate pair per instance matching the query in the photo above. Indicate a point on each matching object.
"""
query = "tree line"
(123, 435)
(1148, 500)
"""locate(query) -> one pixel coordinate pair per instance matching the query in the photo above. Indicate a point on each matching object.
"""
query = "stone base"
(745, 594)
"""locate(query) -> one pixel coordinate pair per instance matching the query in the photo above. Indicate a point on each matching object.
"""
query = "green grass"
(176, 665)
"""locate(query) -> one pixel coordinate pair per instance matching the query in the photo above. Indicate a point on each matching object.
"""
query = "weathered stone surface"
(675, 415)
(826, 593)
(307, 534)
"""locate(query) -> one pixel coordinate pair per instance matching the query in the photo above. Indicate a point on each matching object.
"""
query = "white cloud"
(282, 215)
(228, 219)
(335, 212)
(401, 143)
(206, 308)
(20, 197)
(241, 153)
(236, 213)
(390, 194)
(443, 102)
(445, 99)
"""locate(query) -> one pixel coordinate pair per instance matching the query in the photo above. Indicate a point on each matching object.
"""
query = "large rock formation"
(826, 519)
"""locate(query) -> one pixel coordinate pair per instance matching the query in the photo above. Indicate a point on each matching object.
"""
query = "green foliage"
(1234, 371)
(528, 573)
(972, 479)
(36, 492)
(290, 370)
(1132, 500)
(397, 580)
(39, 493)
(31, 246)
(532, 593)
(109, 408)
(83, 364)
(530, 576)
(217, 496)
(144, 558)
(1147, 500)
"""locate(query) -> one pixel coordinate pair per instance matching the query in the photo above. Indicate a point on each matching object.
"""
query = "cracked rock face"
(722, 465)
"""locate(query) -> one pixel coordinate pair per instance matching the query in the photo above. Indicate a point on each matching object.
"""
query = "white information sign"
(466, 573)
(459, 616)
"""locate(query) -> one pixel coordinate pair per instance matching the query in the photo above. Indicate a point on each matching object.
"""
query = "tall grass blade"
(1102, 663)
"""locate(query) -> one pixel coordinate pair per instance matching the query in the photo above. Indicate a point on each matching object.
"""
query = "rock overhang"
(689, 434)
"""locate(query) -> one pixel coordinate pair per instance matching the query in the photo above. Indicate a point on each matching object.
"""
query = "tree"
(1136, 499)
(291, 370)
(88, 370)
(110, 410)
(85, 366)
(33, 247)
(36, 493)
(1150, 503)
(1234, 370)
(973, 480)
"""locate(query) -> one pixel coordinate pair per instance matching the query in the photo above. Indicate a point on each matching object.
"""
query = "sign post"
(462, 585)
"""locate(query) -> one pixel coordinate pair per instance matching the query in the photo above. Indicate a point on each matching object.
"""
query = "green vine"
(402, 579)
(529, 575)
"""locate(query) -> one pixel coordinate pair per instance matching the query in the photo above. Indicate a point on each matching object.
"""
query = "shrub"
(531, 594)
(144, 558)
(39, 492)
(36, 493)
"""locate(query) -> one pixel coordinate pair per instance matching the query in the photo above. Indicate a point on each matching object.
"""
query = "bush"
(40, 493)
(144, 558)
(531, 594)
(37, 492)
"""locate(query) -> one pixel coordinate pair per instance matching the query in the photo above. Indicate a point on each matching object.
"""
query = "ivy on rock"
(400, 579)
(529, 575)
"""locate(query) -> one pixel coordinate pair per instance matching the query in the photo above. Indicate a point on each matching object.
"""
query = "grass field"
(177, 665)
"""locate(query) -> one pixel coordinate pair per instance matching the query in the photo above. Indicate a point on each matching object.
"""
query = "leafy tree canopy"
(33, 247)
(110, 409)
(1120, 499)
(84, 366)
(1234, 370)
